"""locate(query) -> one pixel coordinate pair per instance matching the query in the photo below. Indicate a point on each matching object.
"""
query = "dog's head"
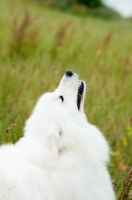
(56, 112)
(71, 91)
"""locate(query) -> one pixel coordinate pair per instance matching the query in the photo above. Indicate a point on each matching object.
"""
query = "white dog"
(61, 156)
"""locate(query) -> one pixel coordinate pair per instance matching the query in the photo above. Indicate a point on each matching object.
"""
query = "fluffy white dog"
(61, 156)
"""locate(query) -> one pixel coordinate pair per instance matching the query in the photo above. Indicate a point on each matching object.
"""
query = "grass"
(52, 42)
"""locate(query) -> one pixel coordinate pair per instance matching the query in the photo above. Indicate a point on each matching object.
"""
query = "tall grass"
(35, 53)
(24, 37)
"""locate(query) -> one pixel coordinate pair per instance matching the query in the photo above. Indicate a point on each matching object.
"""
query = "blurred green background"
(40, 40)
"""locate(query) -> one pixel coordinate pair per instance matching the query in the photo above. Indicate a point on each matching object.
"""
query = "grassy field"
(38, 44)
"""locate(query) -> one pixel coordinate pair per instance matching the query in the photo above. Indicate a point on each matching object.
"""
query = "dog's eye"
(62, 98)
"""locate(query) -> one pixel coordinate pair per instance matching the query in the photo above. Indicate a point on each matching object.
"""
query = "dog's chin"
(80, 94)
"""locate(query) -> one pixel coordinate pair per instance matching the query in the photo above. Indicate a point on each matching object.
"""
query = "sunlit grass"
(99, 51)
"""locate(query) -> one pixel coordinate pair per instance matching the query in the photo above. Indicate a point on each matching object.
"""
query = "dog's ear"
(53, 139)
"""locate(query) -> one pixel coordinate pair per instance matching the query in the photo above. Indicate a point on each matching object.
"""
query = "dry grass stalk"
(23, 34)
(19, 31)
(127, 184)
(59, 38)
(127, 67)
(10, 127)
(105, 42)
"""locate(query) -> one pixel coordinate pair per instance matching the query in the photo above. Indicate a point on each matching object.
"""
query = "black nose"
(69, 73)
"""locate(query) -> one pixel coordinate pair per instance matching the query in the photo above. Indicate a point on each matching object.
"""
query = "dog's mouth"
(80, 93)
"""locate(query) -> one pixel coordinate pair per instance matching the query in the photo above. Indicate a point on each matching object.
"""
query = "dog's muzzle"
(70, 74)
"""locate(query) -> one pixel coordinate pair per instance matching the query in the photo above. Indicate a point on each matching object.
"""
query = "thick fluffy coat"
(61, 156)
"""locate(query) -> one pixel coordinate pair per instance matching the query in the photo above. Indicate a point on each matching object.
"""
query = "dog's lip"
(80, 93)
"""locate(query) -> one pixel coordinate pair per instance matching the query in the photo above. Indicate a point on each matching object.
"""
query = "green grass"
(99, 51)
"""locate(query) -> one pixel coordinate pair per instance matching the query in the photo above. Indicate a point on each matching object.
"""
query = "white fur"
(60, 157)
